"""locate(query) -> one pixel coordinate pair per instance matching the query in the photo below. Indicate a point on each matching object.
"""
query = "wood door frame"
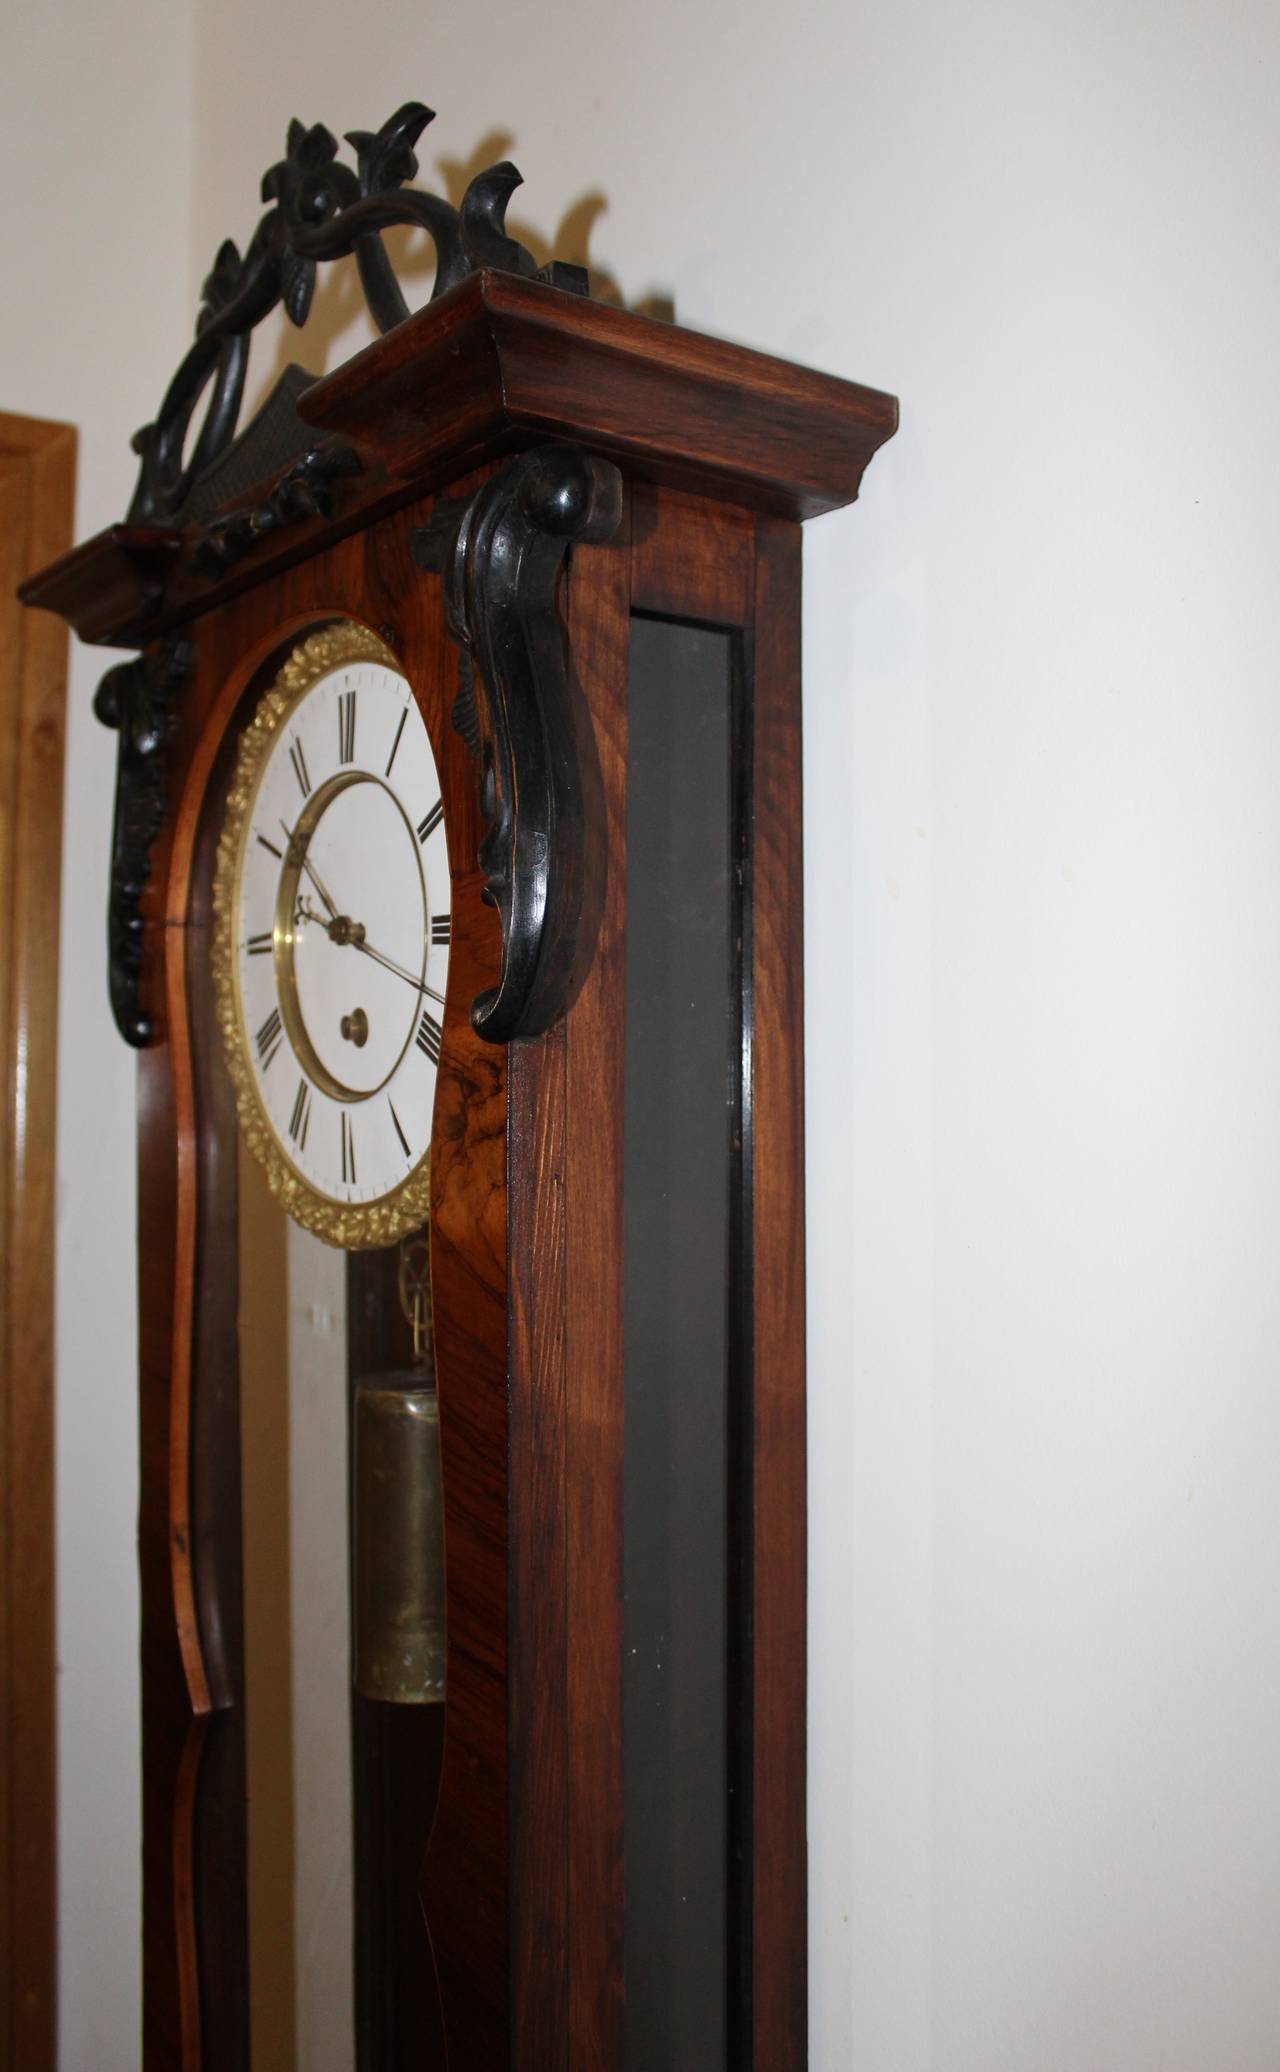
(37, 493)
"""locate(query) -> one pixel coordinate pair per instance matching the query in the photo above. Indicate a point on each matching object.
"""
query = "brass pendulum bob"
(398, 1524)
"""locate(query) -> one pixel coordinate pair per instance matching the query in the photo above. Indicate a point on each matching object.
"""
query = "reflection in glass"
(293, 1398)
(681, 1095)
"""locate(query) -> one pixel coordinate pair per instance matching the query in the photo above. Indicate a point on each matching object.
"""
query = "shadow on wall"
(339, 300)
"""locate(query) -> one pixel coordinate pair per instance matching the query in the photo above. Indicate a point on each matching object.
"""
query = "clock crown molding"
(495, 365)
(320, 210)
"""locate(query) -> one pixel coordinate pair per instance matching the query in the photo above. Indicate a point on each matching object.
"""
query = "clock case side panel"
(195, 1990)
(565, 1191)
(686, 558)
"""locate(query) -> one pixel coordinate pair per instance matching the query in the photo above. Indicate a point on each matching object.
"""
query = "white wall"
(1044, 960)
(95, 149)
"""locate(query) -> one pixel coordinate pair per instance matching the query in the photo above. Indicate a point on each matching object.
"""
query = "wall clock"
(455, 911)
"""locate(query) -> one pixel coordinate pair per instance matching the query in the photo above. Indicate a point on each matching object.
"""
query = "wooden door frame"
(37, 491)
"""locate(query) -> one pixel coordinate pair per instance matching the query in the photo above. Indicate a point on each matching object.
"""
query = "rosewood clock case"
(674, 472)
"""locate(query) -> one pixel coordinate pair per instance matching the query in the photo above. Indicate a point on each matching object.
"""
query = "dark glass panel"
(683, 1047)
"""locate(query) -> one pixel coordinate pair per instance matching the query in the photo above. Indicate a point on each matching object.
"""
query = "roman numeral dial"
(335, 929)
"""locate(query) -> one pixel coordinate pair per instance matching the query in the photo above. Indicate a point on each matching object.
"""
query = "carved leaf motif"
(387, 159)
(306, 491)
(298, 285)
(485, 239)
(312, 148)
(307, 153)
(222, 283)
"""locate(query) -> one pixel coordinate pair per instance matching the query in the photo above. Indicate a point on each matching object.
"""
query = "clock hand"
(342, 929)
(366, 949)
(311, 871)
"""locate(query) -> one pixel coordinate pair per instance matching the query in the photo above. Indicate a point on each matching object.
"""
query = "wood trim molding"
(37, 488)
(779, 1905)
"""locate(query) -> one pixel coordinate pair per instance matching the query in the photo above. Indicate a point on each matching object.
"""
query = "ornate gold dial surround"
(355, 1226)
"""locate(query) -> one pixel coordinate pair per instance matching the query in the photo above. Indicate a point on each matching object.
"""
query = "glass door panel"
(682, 1382)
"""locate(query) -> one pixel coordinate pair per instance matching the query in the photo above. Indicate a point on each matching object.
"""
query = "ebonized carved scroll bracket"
(139, 699)
(501, 556)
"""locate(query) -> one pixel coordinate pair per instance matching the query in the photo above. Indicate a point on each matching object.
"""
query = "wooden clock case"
(719, 454)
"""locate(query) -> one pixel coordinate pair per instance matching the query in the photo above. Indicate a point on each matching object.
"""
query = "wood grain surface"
(599, 639)
(37, 489)
(567, 1424)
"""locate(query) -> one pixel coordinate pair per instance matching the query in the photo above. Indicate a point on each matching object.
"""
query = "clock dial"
(332, 949)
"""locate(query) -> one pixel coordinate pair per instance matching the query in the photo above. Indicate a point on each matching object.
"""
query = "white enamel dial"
(339, 931)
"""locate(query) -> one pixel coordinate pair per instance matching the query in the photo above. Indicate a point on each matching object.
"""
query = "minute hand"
(366, 949)
(311, 871)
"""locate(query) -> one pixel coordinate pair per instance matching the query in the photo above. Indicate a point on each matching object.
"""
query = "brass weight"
(399, 1541)
(399, 1516)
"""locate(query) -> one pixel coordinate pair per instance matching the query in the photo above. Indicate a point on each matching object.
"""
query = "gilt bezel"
(352, 1226)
